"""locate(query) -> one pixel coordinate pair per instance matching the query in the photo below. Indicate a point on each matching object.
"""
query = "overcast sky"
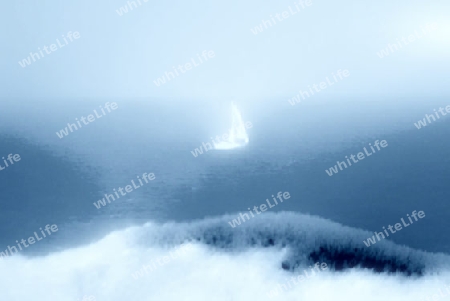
(122, 55)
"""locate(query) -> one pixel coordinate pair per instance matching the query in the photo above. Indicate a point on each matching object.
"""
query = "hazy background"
(120, 56)
(117, 58)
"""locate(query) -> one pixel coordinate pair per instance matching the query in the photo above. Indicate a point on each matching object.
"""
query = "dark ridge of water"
(340, 259)
(307, 239)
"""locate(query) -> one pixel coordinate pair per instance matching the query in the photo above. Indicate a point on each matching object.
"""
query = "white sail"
(237, 135)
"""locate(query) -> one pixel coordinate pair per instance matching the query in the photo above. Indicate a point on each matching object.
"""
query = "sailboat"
(237, 135)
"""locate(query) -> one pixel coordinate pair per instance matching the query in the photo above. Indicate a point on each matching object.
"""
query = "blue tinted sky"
(122, 55)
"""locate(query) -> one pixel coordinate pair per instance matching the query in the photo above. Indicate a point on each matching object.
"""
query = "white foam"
(104, 270)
